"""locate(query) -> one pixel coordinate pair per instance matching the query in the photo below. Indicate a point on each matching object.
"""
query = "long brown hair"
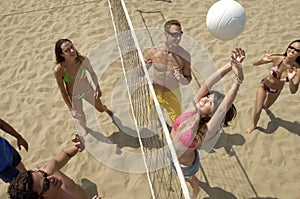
(218, 98)
(285, 53)
(58, 50)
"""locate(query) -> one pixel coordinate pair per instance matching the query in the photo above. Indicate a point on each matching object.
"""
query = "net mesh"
(164, 183)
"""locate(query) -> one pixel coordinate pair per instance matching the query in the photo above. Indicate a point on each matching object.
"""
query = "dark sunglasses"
(46, 183)
(295, 49)
(69, 48)
(174, 34)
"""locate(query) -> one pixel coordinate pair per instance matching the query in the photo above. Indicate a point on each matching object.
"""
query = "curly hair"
(21, 187)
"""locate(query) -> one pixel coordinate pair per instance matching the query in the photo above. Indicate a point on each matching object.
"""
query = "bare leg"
(195, 186)
(77, 105)
(97, 103)
(261, 95)
(271, 99)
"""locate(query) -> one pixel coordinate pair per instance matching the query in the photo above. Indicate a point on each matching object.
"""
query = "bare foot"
(109, 112)
(250, 128)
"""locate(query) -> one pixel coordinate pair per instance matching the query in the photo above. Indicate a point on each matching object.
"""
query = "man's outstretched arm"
(61, 159)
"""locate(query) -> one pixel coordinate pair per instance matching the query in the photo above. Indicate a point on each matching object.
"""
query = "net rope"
(155, 141)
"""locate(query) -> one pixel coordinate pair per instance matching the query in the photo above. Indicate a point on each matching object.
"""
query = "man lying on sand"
(48, 181)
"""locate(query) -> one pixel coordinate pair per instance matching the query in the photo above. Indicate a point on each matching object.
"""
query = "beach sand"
(263, 164)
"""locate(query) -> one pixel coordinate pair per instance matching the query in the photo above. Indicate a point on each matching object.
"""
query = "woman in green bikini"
(71, 67)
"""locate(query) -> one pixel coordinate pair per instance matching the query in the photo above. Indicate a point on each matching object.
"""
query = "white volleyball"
(226, 19)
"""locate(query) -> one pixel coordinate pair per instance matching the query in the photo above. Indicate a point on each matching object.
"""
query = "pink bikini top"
(186, 138)
(274, 72)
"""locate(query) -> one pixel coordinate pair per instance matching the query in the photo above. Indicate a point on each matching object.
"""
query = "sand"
(261, 165)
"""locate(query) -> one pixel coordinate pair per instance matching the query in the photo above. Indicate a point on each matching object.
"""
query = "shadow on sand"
(277, 122)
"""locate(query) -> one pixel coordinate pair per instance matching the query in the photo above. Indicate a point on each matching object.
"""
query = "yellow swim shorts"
(169, 100)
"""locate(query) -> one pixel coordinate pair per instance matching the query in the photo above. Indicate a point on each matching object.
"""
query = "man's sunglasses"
(174, 34)
(46, 183)
(295, 49)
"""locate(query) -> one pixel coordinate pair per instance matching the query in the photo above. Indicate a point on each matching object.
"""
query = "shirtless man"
(171, 65)
(48, 181)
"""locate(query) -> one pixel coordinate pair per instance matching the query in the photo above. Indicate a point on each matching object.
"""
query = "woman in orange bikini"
(208, 113)
(71, 78)
(284, 70)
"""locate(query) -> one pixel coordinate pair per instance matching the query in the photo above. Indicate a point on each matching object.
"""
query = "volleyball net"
(155, 142)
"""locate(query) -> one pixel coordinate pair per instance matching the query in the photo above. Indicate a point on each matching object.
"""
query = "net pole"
(130, 101)
(157, 106)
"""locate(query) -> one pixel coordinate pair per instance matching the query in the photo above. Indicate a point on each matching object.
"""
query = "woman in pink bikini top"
(286, 68)
(209, 111)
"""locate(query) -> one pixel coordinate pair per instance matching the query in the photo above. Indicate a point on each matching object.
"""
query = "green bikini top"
(69, 79)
